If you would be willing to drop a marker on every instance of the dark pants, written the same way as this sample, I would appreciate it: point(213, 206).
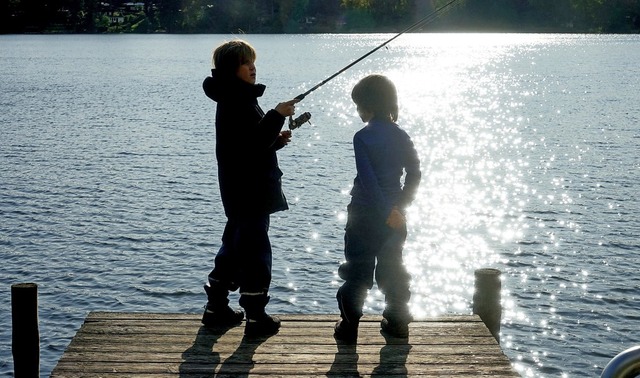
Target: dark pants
point(367, 239)
point(244, 260)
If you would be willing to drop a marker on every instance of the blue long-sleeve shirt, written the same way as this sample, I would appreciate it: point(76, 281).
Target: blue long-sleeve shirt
point(384, 152)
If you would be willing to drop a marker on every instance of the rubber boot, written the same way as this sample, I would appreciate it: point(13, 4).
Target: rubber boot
point(259, 323)
point(217, 312)
point(350, 301)
point(346, 331)
point(396, 319)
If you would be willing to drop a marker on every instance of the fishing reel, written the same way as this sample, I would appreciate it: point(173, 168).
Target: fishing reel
point(299, 121)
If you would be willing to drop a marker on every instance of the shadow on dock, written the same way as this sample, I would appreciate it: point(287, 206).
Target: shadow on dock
point(176, 345)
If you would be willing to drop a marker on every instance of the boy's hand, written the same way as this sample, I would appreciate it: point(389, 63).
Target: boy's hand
point(287, 108)
point(396, 219)
point(284, 138)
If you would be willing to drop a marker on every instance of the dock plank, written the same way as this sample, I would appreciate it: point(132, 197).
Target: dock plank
point(155, 345)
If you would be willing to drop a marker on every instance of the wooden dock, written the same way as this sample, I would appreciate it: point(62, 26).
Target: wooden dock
point(112, 344)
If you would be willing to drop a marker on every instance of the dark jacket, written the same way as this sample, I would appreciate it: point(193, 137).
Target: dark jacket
point(246, 145)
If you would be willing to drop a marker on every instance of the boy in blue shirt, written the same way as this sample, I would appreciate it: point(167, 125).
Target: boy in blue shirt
point(376, 227)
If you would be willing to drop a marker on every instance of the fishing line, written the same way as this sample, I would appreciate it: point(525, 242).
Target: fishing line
point(306, 116)
point(428, 18)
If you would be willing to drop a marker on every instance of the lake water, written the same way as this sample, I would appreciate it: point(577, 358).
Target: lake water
point(109, 197)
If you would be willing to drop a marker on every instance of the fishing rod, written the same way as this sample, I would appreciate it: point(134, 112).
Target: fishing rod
point(302, 119)
point(430, 17)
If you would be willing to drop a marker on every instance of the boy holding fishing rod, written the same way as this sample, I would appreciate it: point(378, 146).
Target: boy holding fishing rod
point(376, 226)
point(249, 177)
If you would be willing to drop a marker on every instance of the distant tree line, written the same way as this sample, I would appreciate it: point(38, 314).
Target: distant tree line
point(316, 16)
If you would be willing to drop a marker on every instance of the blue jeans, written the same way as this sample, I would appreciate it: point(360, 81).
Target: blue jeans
point(244, 260)
point(367, 240)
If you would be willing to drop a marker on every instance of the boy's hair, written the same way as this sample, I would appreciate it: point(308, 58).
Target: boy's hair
point(231, 55)
point(377, 94)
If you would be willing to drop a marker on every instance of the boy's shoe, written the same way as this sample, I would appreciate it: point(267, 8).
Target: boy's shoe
point(346, 331)
point(226, 317)
point(395, 328)
point(265, 325)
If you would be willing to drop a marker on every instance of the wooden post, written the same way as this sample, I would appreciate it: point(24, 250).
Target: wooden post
point(486, 299)
point(25, 336)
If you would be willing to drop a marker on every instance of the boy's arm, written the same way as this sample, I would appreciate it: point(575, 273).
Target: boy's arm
point(268, 130)
point(412, 177)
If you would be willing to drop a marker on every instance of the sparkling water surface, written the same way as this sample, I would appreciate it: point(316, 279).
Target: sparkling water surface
point(528, 142)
